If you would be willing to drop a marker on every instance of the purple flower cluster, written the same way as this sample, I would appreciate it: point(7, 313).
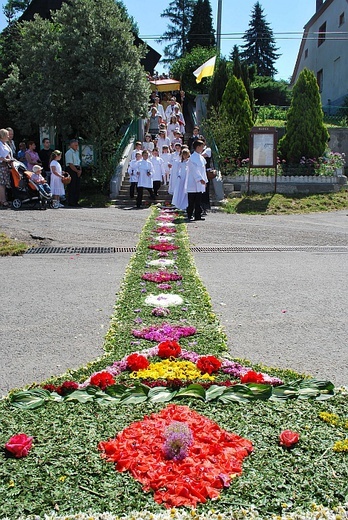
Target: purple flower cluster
point(178, 439)
point(163, 332)
point(160, 311)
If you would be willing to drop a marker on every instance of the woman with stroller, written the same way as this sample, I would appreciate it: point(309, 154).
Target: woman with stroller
point(57, 186)
point(6, 159)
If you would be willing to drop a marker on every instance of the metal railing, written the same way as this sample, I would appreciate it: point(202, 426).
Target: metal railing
point(131, 132)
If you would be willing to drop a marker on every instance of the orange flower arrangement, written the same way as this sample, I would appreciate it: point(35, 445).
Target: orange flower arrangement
point(213, 459)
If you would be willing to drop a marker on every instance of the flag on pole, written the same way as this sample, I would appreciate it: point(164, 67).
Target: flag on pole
point(205, 70)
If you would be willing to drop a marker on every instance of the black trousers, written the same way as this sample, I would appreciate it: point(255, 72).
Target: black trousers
point(194, 205)
point(140, 195)
point(132, 187)
point(156, 186)
point(73, 189)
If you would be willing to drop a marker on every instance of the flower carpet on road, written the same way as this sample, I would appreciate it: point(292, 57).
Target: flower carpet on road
point(167, 418)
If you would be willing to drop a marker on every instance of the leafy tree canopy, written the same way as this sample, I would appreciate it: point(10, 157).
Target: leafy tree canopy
point(180, 14)
point(268, 91)
point(80, 72)
point(260, 48)
point(201, 32)
point(183, 68)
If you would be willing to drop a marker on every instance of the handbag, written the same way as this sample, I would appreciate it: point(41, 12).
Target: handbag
point(66, 179)
point(211, 174)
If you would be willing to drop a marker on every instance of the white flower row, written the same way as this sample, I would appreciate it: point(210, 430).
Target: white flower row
point(316, 513)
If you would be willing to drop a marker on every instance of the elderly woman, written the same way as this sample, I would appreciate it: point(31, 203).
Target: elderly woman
point(6, 159)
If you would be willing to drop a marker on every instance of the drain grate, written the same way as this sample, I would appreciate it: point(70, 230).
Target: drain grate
point(203, 249)
point(269, 249)
point(78, 250)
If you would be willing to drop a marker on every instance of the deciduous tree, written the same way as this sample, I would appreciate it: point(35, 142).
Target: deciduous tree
point(79, 72)
point(182, 69)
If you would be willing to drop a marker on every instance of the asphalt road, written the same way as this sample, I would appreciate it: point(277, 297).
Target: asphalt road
point(280, 290)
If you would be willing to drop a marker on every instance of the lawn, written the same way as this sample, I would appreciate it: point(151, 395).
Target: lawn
point(277, 204)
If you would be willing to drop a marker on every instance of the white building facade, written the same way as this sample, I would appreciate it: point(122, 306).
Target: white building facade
point(324, 50)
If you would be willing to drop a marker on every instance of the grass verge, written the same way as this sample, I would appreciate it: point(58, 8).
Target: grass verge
point(9, 247)
point(64, 473)
point(278, 204)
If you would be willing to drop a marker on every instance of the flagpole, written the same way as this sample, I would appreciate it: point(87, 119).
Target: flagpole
point(218, 28)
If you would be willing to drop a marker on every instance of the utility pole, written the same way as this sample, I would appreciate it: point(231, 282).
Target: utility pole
point(218, 28)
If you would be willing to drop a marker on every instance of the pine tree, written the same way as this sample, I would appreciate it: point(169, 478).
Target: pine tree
point(306, 135)
point(236, 105)
point(201, 30)
point(260, 46)
point(180, 14)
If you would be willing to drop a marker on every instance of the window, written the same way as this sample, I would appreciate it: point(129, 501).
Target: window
point(322, 34)
point(306, 53)
point(320, 79)
point(341, 20)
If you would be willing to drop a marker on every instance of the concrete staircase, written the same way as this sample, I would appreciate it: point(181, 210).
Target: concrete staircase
point(123, 199)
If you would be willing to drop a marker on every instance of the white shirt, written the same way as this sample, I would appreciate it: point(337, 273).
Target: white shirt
point(145, 178)
point(133, 170)
point(5, 150)
point(167, 159)
point(161, 142)
point(158, 168)
point(195, 174)
point(170, 111)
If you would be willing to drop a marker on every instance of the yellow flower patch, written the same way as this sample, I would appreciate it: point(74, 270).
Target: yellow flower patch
point(171, 369)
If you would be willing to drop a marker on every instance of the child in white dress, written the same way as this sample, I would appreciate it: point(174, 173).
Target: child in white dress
point(167, 160)
point(56, 184)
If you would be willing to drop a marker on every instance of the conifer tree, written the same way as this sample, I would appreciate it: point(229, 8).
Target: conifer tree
point(236, 105)
point(241, 70)
point(201, 30)
point(260, 48)
point(218, 84)
point(179, 13)
point(306, 135)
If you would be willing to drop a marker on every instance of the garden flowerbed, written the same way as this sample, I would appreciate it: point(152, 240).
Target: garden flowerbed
point(167, 418)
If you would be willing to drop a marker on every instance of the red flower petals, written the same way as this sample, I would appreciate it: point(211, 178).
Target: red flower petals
point(252, 377)
point(137, 362)
point(213, 459)
point(102, 379)
point(167, 349)
point(208, 364)
point(288, 438)
point(163, 247)
point(19, 445)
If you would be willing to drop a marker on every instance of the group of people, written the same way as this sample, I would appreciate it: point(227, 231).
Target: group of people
point(45, 165)
point(184, 168)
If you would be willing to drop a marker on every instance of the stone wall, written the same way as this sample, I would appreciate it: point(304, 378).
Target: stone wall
point(285, 184)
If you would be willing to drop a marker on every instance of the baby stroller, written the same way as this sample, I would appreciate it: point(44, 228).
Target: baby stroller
point(24, 190)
